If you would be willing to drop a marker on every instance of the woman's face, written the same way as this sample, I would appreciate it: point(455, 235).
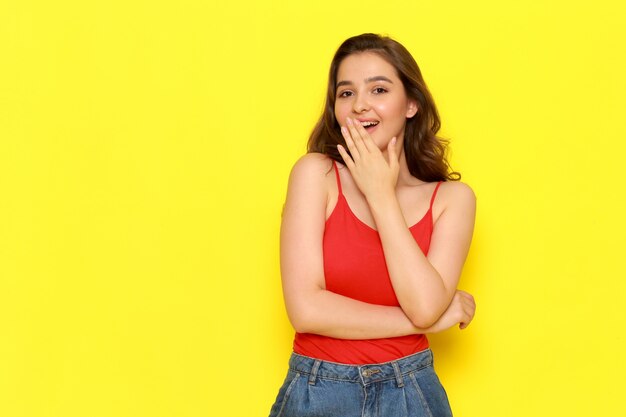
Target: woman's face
point(370, 91)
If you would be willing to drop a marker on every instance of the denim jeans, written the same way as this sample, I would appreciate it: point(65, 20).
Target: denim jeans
point(407, 387)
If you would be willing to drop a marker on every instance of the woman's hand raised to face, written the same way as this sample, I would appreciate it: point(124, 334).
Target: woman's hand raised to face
point(374, 175)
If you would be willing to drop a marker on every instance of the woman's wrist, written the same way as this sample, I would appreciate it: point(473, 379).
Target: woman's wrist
point(383, 202)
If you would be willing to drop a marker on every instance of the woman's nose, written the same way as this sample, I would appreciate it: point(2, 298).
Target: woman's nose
point(360, 104)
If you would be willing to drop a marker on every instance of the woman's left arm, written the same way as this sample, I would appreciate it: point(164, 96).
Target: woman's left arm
point(424, 285)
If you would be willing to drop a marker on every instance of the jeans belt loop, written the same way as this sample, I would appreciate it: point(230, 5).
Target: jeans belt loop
point(313, 375)
point(396, 370)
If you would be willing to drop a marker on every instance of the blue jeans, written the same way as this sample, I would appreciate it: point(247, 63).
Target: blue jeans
point(407, 387)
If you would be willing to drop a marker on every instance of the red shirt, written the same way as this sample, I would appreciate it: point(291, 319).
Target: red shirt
point(354, 266)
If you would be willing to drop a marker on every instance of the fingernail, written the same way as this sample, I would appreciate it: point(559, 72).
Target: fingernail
point(349, 121)
point(343, 129)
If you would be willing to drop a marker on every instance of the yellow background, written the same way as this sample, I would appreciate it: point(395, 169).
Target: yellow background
point(144, 152)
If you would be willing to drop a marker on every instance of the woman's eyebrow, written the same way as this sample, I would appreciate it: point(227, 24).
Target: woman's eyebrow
point(378, 78)
point(367, 80)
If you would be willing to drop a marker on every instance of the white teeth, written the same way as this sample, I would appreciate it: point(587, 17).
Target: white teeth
point(368, 124)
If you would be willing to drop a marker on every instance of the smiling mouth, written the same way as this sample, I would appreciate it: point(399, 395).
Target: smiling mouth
point(369, 124)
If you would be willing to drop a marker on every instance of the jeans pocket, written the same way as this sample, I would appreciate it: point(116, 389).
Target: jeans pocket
point(283, 393)
point(431, 398)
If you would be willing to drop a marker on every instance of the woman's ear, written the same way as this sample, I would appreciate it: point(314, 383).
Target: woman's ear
point(411, 109)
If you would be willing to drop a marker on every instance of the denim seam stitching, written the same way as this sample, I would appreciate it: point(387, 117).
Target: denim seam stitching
point(287, 393)
point(420, 394)
point(426, 365)
point(364, 400)
point(338, 379)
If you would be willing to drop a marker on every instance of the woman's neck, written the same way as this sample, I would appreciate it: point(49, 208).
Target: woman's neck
point(404, 176)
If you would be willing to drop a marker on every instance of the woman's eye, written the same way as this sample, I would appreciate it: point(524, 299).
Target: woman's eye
point(345, 93)
point(379, 90)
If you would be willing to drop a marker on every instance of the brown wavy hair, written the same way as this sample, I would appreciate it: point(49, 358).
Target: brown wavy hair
point(426, 153)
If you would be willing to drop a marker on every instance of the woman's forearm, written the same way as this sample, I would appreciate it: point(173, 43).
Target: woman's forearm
point(329, 314)
point(418, 286)
point(425, 285)
point(341, 317)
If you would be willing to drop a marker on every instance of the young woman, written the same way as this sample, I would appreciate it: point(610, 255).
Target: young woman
point(374, 235)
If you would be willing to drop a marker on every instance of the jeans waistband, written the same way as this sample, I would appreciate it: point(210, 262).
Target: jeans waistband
point(364, 374)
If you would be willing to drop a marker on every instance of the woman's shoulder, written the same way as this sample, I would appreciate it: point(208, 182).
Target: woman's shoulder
point(459, 188)
point(313, 161)
point(456, 193)
point(309, 183)
point(312, 166)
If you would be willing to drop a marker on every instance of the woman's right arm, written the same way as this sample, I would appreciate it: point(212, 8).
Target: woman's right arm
point(310, 307)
